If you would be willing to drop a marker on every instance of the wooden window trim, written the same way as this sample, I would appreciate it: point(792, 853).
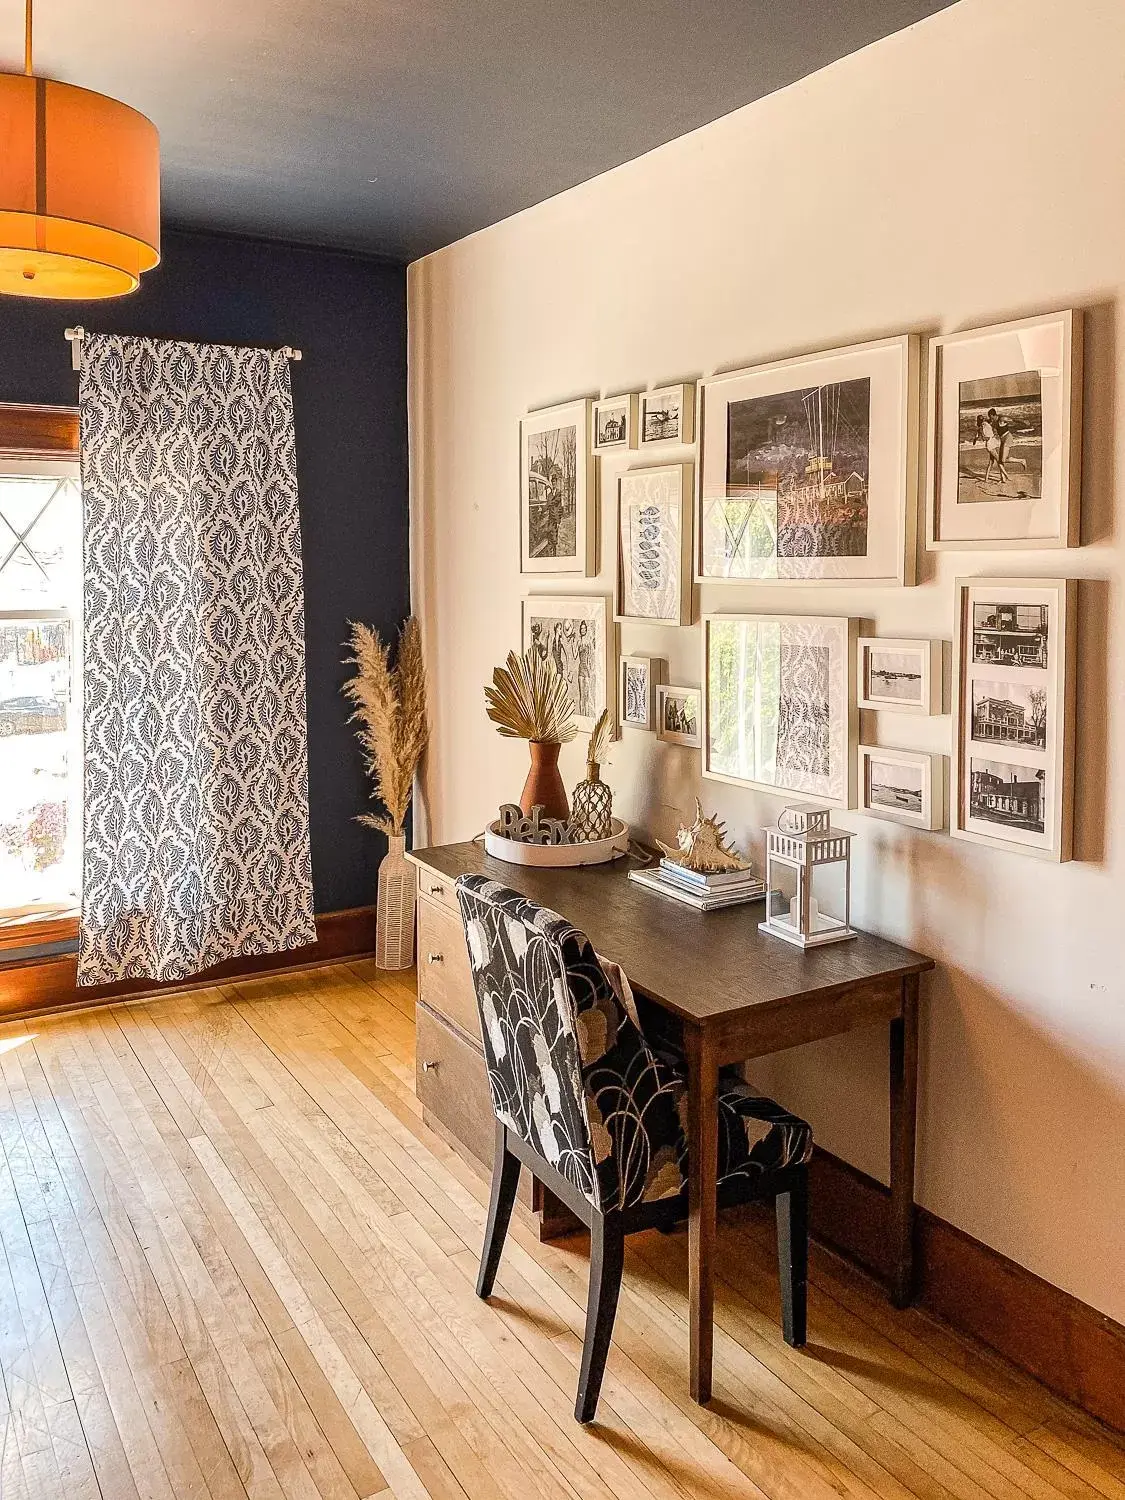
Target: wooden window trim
point(38, 432)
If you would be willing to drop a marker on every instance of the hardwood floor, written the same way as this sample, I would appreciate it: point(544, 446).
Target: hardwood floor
point(235, 1263)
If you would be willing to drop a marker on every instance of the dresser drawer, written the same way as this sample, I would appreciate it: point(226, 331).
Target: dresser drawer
point(437, 888)
point(452, 1084)
point(445, 981)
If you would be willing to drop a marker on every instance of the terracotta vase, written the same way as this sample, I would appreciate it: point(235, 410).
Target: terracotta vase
point(544, 785)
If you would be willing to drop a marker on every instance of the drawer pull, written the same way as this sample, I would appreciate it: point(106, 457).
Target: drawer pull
point(429, 1067)
point(435, 958)
point(437, 890)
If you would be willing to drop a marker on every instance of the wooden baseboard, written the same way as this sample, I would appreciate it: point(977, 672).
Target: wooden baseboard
point(50, 984)
point(1074, 1350)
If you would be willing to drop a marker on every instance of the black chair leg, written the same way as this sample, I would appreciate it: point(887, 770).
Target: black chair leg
point(607, 1258)
point(793, 1259)
point(505, 1180)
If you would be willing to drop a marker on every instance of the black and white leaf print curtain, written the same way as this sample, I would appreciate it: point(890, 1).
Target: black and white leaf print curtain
point(196, 838)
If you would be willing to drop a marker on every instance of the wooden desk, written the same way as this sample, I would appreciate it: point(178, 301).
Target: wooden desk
point(736, 994)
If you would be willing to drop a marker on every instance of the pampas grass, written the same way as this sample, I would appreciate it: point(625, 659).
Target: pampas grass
point(529, 700)
point(390, 709)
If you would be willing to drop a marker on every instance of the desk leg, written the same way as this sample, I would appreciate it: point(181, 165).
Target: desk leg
point(703, 1175)
point(904, 1117)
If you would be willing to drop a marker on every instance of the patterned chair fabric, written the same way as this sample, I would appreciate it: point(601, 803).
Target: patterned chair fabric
point(571, 1073)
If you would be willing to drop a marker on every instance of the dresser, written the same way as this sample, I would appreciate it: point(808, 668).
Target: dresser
point(452, 1084)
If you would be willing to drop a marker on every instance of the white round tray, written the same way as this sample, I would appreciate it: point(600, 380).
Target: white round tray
point(557, 856)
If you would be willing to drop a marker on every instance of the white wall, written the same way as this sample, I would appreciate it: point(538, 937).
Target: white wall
point(966, 171)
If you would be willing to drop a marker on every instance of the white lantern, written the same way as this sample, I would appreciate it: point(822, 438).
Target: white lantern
point(808, 879)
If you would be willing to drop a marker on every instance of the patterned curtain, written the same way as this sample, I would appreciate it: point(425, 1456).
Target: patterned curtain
point(196, 777)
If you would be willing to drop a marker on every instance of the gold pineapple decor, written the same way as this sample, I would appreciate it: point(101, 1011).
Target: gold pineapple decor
point(592, 801)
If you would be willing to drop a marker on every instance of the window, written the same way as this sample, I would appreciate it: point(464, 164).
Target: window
point(40, 680)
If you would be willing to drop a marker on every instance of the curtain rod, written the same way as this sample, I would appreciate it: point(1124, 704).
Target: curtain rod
point(74, 337)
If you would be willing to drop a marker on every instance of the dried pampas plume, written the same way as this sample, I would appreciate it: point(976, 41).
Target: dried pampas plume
point(601, 740)
point(390, 709)
point(529, 700)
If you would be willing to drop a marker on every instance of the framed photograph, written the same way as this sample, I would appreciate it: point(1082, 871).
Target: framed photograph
point(615, 424)
point(579, 636)
point(636, 695)
point(668, 416)
point(904, 676)
point(808, 469)
point(654, 545)
point(1012, 781)
point(904, 786)
point(558, 500)
point(679, 711)
point(1005, 435)
point(778, 704)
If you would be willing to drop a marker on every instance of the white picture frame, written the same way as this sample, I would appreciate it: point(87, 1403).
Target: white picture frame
point(672, 701)
point(779, 708)
point(786, 512)
point(558, 491)
point(1012, 773)
point(578, 634)
point(615, 424)
point(902, 786)
point(638, 678)
point(654, 515)
point(899, 676)
point(1032, 370)
point(667, 417)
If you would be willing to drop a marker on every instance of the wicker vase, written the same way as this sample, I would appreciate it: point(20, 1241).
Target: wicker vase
point(544, 785)
point(394, 922)
point(592, 804)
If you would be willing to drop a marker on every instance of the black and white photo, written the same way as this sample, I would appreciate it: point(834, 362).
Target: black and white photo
point(896, 785)
point(1000, 438)
point(557, 518)
point(574, 635)
point(902, 786)
point(1011, 634)
point(667, 415)
point(679, 715)
point(1009, 713)
point(895, 676)
point(615, 421)
point(1009, 795)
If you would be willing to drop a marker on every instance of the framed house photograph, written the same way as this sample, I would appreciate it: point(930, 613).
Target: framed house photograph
point(654, 545)
point(679, 712)
point(904, 676)
point(808, 469)
point(903, 786)
point(558, 491)
point(1012, 780)
point(579, 636)
point(640, 676)
point(615, 424)
point(1005, 435)
point(667, 416)
point(778, 704)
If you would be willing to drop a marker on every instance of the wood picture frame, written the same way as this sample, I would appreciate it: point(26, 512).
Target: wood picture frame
point(654, 539)
point(779, 709)
point(638, 680)
point(899, 676)
point(577, 632)
point(667, 417)
point(836, 502)
point(902, 786)
point(615, 424)
point(1012, 771)
point(673, 704)
point(558, 491)
point(1031, 369)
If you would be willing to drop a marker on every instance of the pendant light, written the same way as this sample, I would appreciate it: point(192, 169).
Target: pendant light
point(79, 189)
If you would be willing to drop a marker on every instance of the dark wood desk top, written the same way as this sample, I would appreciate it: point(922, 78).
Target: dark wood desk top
point(701, 966)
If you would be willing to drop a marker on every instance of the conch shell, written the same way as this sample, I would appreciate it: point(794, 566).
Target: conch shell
point(703, 846)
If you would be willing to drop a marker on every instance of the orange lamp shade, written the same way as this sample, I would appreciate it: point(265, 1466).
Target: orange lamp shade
point(79, 191)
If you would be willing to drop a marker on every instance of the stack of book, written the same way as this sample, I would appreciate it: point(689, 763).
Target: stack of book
point(704, 892)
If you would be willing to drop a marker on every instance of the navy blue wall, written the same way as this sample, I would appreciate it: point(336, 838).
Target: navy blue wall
point(348, 316)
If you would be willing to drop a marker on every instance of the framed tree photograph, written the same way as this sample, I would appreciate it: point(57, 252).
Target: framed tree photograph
point(654, 545)
point(904, 676)
point(636, 694)
point(1005, 435)
point(808, 469)
point(578, 635)
point(558, 499)
point(679, 712)
point(903, 786)
point(1012, 781)
point(778, 704)
point(615, 424)
point(667, 416)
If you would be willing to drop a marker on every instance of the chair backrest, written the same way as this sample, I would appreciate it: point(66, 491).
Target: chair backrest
point(568, 1069)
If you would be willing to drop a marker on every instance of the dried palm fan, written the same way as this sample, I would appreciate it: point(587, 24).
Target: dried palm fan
point(592, 801)
point(390, 708)
point(530, 700)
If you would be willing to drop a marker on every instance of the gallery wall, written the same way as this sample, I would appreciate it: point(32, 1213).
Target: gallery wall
point(963, 172)
point(348, 316)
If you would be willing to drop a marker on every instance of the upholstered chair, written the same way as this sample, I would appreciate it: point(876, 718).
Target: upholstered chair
point(599, 1116)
